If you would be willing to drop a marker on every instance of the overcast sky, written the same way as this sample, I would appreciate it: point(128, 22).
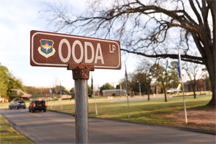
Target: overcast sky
point(17, 19)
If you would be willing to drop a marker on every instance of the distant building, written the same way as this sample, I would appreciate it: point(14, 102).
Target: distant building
point(3, 100)
point(188, 87)
point(112, 92)
point(19, 93)
point(156, 89)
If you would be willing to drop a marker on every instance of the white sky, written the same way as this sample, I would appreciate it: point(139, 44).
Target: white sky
point(17, 19)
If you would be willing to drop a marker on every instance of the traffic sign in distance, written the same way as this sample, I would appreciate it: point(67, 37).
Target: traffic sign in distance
point(58, 50)
point(47, 95)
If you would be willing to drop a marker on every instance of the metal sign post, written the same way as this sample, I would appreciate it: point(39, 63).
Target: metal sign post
point(81, 76)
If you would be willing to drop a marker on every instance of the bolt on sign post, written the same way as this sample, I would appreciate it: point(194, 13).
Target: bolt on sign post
point(81, 55)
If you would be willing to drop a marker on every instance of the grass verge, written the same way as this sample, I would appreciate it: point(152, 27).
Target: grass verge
point(140, 110)
point(9, 135)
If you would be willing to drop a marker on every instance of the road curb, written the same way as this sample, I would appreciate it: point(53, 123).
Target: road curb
point(212, 132)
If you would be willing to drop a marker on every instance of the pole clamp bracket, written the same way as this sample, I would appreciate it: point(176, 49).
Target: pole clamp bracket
point(80, 71)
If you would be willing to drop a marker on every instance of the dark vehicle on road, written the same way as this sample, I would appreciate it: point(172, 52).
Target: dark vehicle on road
point(17, 104)
point(89, 95)
point(37, 105)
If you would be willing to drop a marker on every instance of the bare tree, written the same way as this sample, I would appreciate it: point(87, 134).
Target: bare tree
point(194, 73)
point(144, 68)
point(150, 28)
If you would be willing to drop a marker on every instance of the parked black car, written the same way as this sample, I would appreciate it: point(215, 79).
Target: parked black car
point(17, 104)
point(37, 105)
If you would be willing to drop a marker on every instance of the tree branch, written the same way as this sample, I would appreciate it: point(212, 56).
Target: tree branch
point(188, 58)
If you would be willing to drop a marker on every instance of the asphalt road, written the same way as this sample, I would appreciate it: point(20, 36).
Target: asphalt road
point(52, 127)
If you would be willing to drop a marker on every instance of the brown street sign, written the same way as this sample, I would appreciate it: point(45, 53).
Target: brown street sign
point(58, 50)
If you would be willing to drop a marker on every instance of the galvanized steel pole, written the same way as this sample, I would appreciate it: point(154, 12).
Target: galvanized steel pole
point(81, 76)
point(81, 111)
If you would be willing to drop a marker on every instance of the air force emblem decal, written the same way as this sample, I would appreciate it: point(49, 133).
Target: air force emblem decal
point(46, 48)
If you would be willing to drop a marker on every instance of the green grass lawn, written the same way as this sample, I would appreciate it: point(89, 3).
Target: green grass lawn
point(4, 105)
point(140, 110)
point(8, 135)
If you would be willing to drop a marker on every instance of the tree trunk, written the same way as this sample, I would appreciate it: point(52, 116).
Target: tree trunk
point(211, 60)
point(194, 94)
point(194, 90)
point(148, 93)
point(165, 93)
